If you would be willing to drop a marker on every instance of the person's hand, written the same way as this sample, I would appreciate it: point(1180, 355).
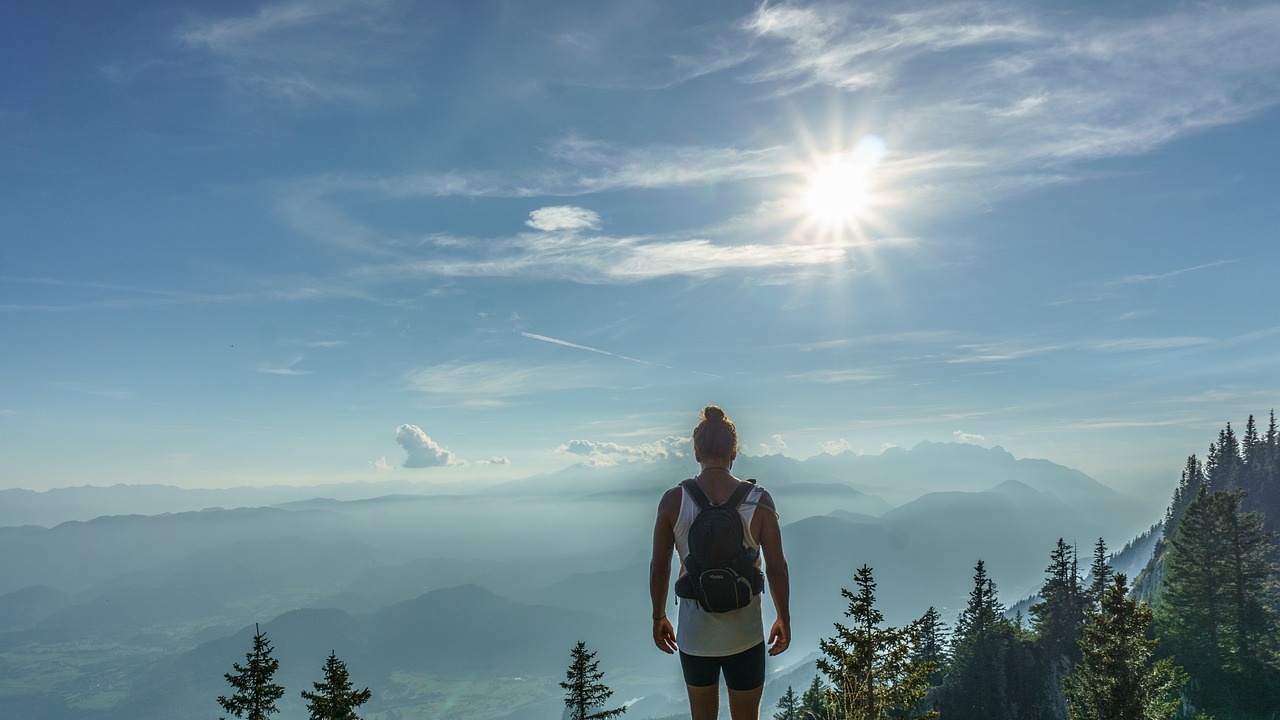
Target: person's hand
point(664, 636)
point(779, 637)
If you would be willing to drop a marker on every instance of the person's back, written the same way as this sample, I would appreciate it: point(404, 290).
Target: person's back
point(730, 643)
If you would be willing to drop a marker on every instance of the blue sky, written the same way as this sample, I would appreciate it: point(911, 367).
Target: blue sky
point(322, 240)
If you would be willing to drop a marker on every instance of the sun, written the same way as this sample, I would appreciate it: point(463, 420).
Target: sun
point(837, 191)
point(840, 186)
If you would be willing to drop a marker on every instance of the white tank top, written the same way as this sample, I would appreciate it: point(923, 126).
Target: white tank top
point(708, 634)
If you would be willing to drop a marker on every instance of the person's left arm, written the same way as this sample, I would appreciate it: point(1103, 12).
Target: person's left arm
point(769, 535)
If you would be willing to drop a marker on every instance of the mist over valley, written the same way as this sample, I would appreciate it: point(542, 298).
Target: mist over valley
point(425, 588)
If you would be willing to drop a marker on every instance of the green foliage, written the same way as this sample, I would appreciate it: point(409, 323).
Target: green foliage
point(1215, 608)
point(814, 702)
point(870, 665)
point(930, 644)
point(788, 706)
point(255, 694)
point(583, 690)
point(334, 699)
point(986, 679)
point(1058, 616)
point(1117, 677)
point(1099, 573)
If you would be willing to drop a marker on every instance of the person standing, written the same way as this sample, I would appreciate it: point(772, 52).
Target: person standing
point(733, 643)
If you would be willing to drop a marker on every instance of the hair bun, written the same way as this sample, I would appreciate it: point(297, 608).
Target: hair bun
point(713, 413)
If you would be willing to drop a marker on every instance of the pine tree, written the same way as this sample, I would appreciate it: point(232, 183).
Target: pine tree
point(1099, 572)
point(1214, 608)
point(255, 694)
point(1117, 678)
point(992, 674)
point(869, 664)
point(930, 645)
point(788, 706)
point(1060, 613)
point(583, 690)
point(334, 699)
point(813, 703)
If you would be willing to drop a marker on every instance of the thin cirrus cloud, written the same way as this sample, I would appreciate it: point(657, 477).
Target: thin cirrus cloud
point(993, 92)
point(594, 258)
point(490, 383)
point(306, 51)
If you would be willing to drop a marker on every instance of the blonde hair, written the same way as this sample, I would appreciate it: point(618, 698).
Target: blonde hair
point(716, 436)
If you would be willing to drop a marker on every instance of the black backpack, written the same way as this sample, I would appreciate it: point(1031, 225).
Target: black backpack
point(721, 571)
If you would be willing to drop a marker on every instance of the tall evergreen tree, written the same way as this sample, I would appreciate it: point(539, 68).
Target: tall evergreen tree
point(788, 706)
point(583, 690)
point(1060, 613)
point(335, 698)
point(1117, 677)
point(984, 650)
point(1215, 606)
point(1099, 574)
point(931, 645)
point(255, 693)
point(814, 703)
point(869, 664)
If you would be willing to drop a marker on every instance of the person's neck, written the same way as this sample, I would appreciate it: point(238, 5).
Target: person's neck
point(712, 467)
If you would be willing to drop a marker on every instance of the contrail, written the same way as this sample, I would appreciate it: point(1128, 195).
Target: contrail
point(588, 348)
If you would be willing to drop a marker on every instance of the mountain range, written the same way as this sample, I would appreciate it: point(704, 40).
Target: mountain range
point(437, 595)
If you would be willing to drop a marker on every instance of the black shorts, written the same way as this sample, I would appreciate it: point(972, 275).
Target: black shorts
point(744, 671)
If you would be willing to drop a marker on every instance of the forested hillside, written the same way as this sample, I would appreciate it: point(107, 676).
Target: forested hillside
point(1198, 638)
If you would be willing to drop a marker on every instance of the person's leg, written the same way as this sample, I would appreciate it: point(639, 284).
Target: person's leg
point(744, 676)
point(744, 704)
point(702, 678)
point(704, 701)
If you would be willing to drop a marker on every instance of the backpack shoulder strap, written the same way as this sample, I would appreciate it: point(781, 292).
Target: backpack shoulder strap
point(691, 486)
point(739, 494)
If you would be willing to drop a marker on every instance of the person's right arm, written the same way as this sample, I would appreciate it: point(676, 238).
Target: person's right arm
point(664, 544)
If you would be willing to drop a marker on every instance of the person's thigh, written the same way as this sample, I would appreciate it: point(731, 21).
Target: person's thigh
point(744, 671)
point(700, 671)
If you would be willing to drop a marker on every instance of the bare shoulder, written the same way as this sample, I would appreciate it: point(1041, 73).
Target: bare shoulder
point(670, 502)
point(766, 500)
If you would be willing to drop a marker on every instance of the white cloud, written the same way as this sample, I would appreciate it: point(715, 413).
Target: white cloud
point(992, 98)
point(563, 217)
point(965, 437)
point(775, 447)
point(611, 453)
point(421, 450)
point(382, 464)
point(836, 447)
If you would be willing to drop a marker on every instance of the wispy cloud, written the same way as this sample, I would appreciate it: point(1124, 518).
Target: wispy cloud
point(1145, 278)
point(1007, 350)
point(1002, 98)
point(596, 258)
point(288, 367)
point(496, 382)
point(1106, 289)
point(307, 51)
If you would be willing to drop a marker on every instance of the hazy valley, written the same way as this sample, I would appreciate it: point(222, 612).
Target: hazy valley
point(466, 601)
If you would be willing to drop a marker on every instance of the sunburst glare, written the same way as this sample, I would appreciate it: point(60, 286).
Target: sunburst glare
point(841, 188)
